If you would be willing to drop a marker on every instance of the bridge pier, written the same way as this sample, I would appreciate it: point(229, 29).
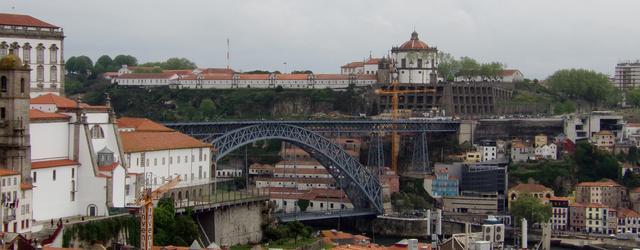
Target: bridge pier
point(232, 225)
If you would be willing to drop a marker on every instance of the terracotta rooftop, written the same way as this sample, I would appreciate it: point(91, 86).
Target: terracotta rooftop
point(108, 168)
point(141, 125)
point(414, 43)
point(53, 163)
point(7, 172)
point(155, 141)
point(147, 76)
point(628, 213)
point(59, 101)
point(24, 20)
point(530, 188)
point(26, 186)
point(509, 72)
point(607, 183)
point(37, 115)
point(353, 65)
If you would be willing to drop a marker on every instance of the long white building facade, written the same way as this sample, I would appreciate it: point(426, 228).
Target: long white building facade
point(38, 44)
point(203, 80)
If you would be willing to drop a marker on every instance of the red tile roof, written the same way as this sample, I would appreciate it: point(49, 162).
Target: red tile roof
point(59, 101)
point(37, 115)
point(414, 43)
point(292, 76)
point(254, 76)
point(7, 172)
point(155, 141)
point(141, 125)
point(147, 76)
point(53, 163)
point(372, 61)
point(109, 168)
point(208, 77)
point(628, 213)
point(26, 186)
point(353, 65)
point(509, 72)
point(23, 20)
point(607, 183)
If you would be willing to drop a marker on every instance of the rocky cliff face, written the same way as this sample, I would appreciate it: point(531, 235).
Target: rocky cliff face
point(299, 105)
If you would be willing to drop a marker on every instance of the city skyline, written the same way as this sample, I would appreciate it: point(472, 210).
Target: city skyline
point(321, 36)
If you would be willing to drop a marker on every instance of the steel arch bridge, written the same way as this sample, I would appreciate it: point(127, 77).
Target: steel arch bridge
point(362, 186)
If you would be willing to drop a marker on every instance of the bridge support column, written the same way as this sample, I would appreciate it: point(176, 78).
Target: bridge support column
point(375, 159)
point(420, 159)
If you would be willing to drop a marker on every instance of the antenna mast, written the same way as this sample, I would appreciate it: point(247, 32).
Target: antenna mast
point(227, 53)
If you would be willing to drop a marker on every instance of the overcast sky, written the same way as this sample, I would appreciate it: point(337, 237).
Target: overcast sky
point(535, 36)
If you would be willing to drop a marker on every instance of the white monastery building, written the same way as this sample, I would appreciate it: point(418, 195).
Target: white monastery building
point(38, 44)
point(78, 167)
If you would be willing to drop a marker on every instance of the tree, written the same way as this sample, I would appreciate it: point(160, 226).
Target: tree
point(302, 72)
point(632, 156)
point(80, 65)
point(128, 60)
point(105, 64)
point(296, 229)
point(633, 97)
point(186, 230)
point(172, 230)
point(581, 84)
point(469, 68)
point(491, 71)
point(178, 63)
point(448, 66)
point(593, 164)
point(530, 208)
point(303, 204)
point(208, 108)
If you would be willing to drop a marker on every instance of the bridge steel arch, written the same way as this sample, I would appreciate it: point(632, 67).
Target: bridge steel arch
point(361, 186)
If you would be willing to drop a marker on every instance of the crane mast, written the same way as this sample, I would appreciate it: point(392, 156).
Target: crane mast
point(146, 211)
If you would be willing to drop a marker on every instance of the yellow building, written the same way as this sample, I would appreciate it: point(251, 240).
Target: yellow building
point(473, 156)
point(540, 140)
point(535, 190)
point(604, 140)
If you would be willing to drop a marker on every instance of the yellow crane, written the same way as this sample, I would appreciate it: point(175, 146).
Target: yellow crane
point(394, 92)
point(146, 212)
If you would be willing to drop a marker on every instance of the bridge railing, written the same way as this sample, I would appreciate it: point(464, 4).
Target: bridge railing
point(218, 196)
point(332, 213)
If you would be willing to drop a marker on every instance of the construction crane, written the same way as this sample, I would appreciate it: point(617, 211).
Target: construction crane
point(393, 91)
point(146, 212)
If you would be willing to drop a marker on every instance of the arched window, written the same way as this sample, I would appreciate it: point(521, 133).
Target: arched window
point(96, 132)
point(53, 74)
point(3, 84)
point(22, 85)
point(40, 54)
point(26, 53)
point(40, 73)
point(53, 54)
point(92, 210)
point(15, 49)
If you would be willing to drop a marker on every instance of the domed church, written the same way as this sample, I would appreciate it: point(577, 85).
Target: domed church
point(415, 61)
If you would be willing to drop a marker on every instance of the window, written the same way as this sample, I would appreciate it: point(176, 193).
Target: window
point(4, 84)
point(22, 85)
point(54, 175)
point(73, 172)
point(40, 54)
point(53, 54)
point(419, 63)
point(96, 132)
point(155, 161)
point(26, 53)
point(403, 63)
point(3, 113)
point(73, 190)
point(40, 73)
point(3, 49)
point(35, 177)
point(53, 74)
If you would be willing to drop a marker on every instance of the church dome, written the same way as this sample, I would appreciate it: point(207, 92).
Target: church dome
point(10, 62)
point(414, 43)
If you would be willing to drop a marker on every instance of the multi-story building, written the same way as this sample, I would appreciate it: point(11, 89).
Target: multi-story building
point(585, 126)
point(634, 198)
point(536, 190)
point(627, 75)
point(485, 178)
point(540, 140)
point(473, 156)
point(560, 213)
point(79, 168)
point(368, 67)
point(471, 202)
point(158, 154)
point(596, 218)
point(628, 221)
point(489, 150)
point(38, 44)
point(604, 140)
point(548, 151)
point(444, 184)
point(15, 145)
point(608, 193)
point(520, 152)
point(415, 61)
point(232, 80)
point(577, 219)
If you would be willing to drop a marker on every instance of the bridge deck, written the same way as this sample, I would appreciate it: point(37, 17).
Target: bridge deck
point(327, 214)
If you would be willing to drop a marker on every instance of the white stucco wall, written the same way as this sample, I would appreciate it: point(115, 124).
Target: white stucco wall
point(49, 140)
point(53, 198)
